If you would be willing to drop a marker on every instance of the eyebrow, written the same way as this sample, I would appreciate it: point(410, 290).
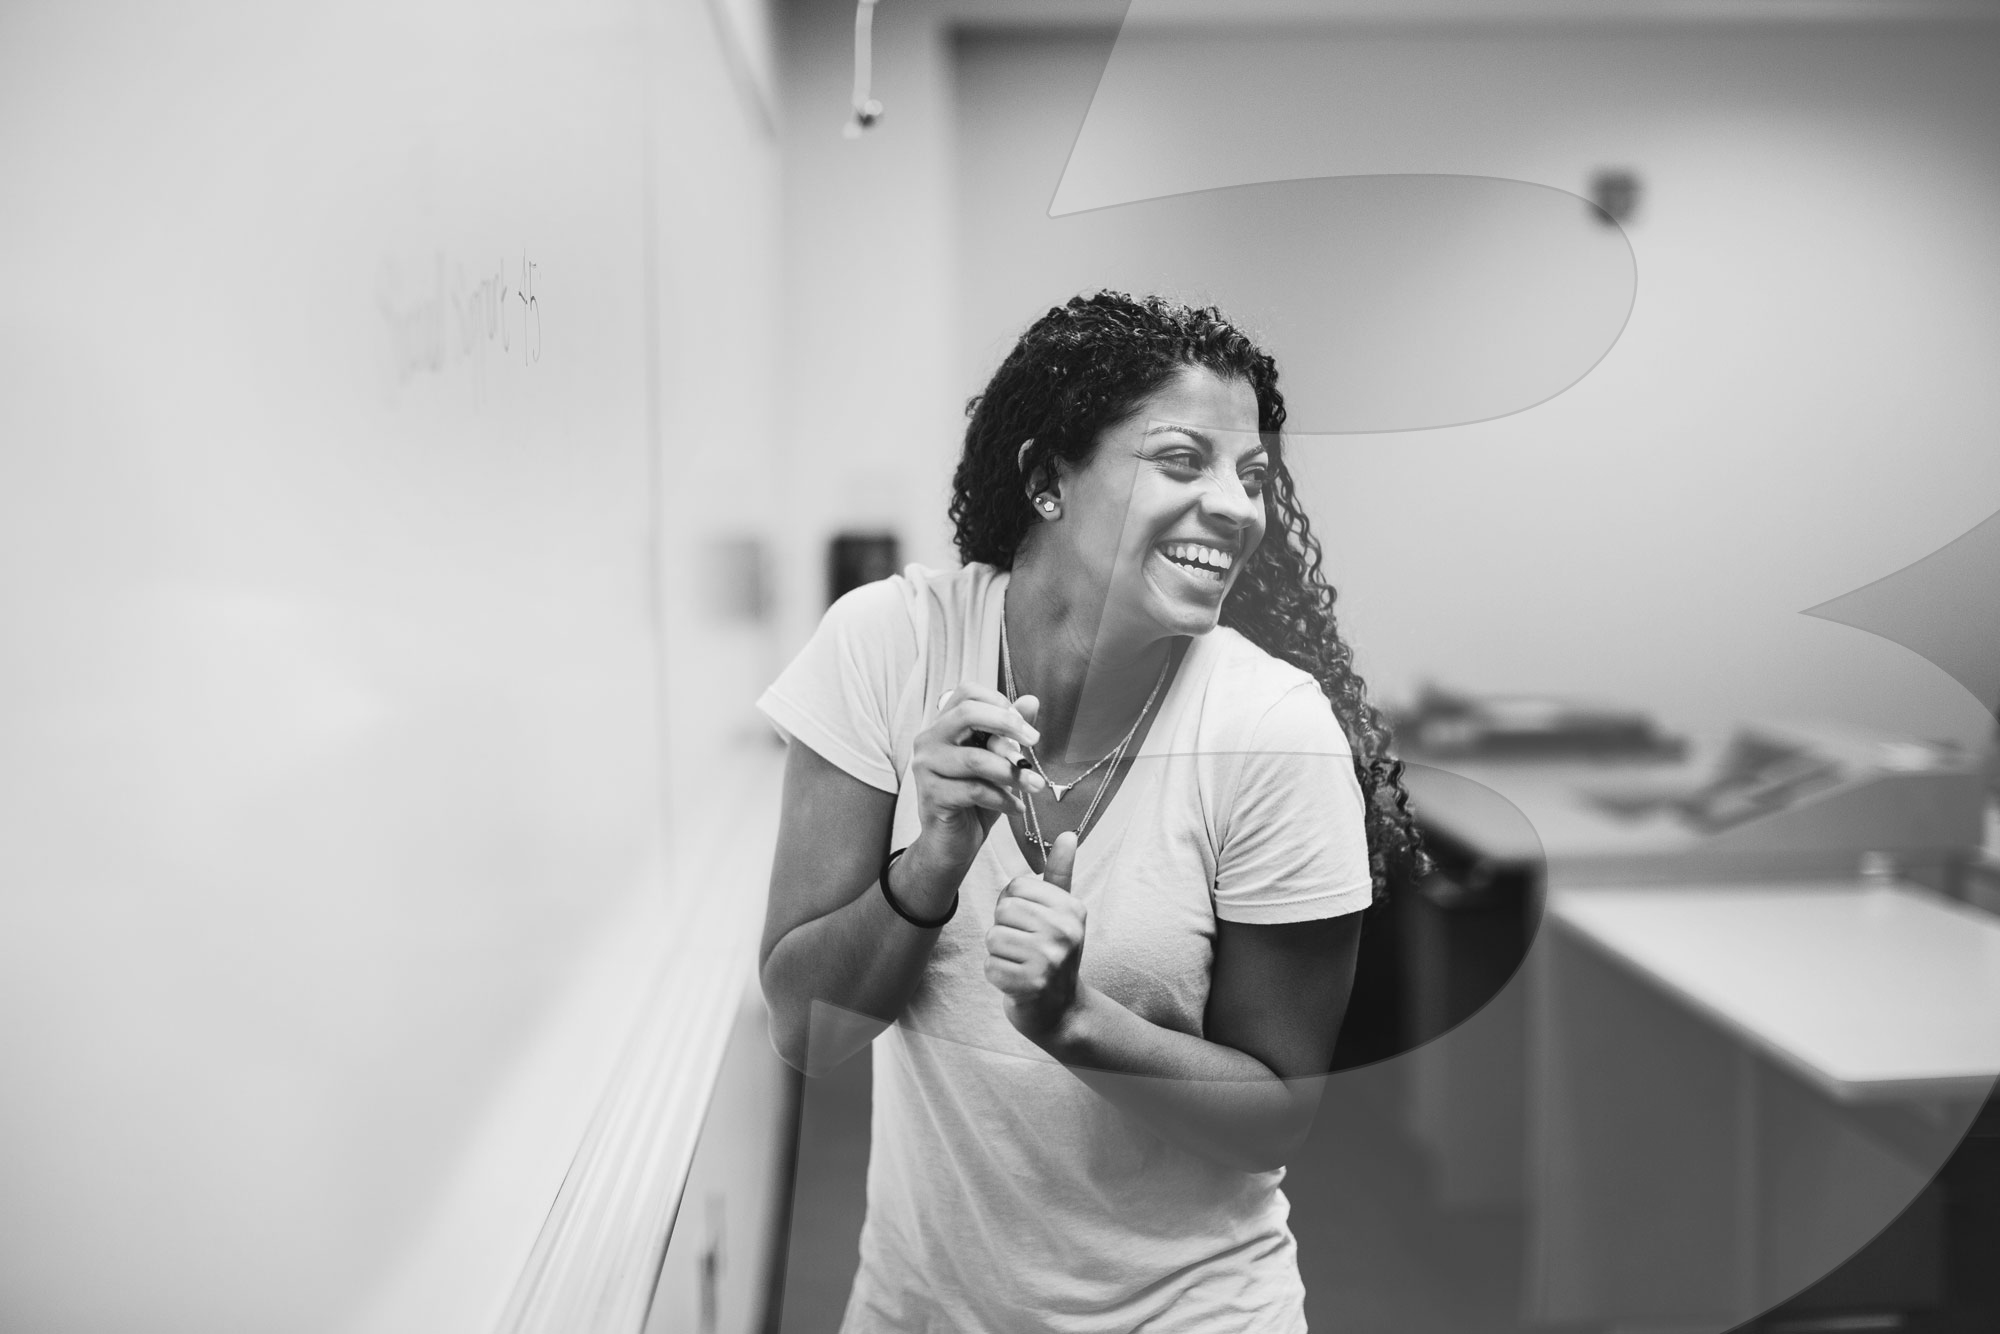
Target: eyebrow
point(1165, 428)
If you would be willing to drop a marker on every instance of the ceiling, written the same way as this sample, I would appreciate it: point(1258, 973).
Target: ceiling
point(1176, 14)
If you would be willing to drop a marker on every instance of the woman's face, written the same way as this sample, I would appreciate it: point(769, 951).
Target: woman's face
point(1169, 506)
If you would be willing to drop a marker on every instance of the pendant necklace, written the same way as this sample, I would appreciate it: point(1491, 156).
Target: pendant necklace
point(1035, 824)
point(1112, 757)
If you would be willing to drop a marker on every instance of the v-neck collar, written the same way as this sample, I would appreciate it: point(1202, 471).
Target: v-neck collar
point(1115, 813)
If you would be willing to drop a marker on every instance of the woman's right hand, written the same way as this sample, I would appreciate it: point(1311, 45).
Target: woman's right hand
point(963, 786)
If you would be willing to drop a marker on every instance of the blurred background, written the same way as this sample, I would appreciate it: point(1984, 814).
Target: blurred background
point(427, 427)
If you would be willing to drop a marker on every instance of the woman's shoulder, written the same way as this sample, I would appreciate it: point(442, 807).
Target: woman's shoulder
point(1244, 673)
point(907, 599)
point(950, 590)
point(1247, 689)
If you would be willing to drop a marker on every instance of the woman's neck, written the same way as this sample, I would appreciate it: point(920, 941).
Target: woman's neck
point(1091, 683)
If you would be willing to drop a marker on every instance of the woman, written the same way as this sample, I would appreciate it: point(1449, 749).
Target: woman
point(1116, 967)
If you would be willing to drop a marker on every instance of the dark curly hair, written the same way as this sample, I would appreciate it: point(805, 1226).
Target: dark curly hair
point(1087, 365)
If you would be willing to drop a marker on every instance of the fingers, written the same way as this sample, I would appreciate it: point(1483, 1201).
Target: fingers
point(1012, 946)
point(1038, 937)
point(985, 767)
point(1060, 915)
point(1033, 949)
point(971, 690)
point(1012, 979)
point(972, 741)
point(1030, 945)
point(958, 778)
point(965, 792)
point(1060, 864)
point(968, 756)
point(1032, 959)
point(965, 709)
point(1036, 890)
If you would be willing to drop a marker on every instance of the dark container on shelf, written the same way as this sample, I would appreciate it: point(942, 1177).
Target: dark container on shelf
point(854, 559)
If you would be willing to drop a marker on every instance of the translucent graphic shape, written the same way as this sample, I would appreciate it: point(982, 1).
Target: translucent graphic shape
point(834, 1034)
point(1676, 1175)
point(1738, 1086)
point(1945, 607)
point(1434, 955)
point(1463, 932)
point(1398, 292)
point(1392, 303)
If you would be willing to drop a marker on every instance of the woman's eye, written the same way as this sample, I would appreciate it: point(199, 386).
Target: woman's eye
point(1182, 461)
point(1254, 479)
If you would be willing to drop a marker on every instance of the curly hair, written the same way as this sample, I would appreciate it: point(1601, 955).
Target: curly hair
point(1088, 365)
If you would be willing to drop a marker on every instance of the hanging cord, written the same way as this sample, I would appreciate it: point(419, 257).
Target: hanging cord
point(866, 109)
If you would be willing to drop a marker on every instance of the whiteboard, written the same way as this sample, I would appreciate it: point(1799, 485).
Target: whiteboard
point(331, 565)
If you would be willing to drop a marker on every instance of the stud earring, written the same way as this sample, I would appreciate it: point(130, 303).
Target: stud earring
point(1048, 506)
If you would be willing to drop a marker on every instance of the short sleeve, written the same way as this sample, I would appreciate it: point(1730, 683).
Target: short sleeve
point(839, 694)
point(1294, 847)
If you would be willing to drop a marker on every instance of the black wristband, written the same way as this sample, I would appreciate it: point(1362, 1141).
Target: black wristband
point(901, 911)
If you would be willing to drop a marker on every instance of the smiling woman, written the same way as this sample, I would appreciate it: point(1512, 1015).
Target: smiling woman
point(1173, 495)
point(1128, 719)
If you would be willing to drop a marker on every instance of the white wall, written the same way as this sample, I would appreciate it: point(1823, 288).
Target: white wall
point(352, 659)
point(1798, 406)
point(720, 304)
point(871, 401)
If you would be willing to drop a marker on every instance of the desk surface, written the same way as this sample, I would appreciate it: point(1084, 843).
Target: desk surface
point(1524, 810)
point(1542, 813)
point(1868, 993)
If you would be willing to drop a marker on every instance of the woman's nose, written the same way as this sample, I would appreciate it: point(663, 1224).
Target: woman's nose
point(1227, 502)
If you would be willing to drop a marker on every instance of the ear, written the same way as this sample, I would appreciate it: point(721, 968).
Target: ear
point(1037, 481)
point(1046, 478)
point(1044, 500)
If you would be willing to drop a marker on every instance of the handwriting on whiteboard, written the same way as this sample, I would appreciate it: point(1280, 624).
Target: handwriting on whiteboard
point(446, 313)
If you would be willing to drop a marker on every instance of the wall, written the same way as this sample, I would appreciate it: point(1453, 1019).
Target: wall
point(717, 219)
point(1797, 406)
point(379, 377)
point(869, 409)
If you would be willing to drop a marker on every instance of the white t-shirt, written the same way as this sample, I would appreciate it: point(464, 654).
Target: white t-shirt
point(1003, 1193)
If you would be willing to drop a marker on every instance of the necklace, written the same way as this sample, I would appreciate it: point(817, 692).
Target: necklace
point(1114, 756)
point(1061, 790)
point(1035, 823)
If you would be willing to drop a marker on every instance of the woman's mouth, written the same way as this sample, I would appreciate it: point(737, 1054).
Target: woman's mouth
point(1200, 561)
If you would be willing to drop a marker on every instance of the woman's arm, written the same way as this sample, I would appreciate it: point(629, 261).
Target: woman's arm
point(829, 932)
point(1244, 1095)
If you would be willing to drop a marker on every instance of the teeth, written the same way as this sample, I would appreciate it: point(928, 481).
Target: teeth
point(1194, 553)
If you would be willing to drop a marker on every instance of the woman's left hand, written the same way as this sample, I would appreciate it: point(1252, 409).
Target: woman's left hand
point(1036, 944)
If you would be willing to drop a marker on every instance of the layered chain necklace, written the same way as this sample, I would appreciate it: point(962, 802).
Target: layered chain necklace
point(1112, 757)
